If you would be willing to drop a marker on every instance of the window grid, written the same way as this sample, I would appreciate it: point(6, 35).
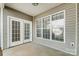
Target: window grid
point(38, 28)
point(46, 27)
point(45, 30)
point(27, 31)
point(58, 26)
point(15, 31)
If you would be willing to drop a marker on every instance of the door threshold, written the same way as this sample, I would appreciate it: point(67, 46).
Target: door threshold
point(19, 45)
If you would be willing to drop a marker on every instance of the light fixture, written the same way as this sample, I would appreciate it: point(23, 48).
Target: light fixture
point(35, 4)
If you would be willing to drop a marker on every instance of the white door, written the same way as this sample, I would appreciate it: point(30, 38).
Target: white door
point(19, 31)
point(15, 32)
point(27, 31)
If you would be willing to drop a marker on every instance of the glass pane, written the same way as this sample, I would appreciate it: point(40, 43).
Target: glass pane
point(46, 33)
point(54, 17)
point(58, 30)
point(58, 16)
point(15, 31)
point(27, 31)
point(38, 27)
point(38, 32)
point(62, 15)
point(38, 23)
point(46, 28)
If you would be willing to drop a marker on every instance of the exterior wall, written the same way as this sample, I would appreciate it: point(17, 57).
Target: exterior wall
point(0, 27)
point(11, 12)
point(78, 29)
point(70, 31)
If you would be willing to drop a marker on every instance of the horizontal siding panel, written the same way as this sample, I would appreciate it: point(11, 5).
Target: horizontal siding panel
point(70, 25)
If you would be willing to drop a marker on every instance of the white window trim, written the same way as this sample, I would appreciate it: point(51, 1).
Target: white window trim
point(64, 25)
point(50, 27)
point(36, 29)
point(76, 27)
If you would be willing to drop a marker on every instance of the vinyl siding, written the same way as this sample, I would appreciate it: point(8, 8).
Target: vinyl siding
point(77, 29)
point(70, 31)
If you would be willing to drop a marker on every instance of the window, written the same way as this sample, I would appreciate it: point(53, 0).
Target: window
point(38, 28)
point(51, 27)
point(58, 23)
point(58, 16)
point(46, 27)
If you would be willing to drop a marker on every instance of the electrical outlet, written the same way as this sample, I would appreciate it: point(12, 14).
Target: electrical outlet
point(72, 43)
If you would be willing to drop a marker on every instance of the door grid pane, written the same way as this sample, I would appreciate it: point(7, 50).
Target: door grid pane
point(15, 31)
point(27, 31)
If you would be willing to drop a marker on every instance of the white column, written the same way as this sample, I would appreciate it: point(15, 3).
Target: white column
point(1, 6)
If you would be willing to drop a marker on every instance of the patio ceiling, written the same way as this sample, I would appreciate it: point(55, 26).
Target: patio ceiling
point(29, 9)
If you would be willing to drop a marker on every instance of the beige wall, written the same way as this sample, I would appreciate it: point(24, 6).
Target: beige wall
point(0, 27)
point(70, 32)
point(78, 28)
point(14, 13)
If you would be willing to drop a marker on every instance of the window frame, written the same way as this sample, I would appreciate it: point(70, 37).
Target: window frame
point(64, 25)
point(50, 27)
point(38, 28)
point(46, 28)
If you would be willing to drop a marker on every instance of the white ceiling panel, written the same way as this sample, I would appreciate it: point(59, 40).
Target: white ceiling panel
point(29, 9)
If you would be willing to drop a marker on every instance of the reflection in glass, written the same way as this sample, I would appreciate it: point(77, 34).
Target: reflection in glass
point(38, 27)
point(58, 16)
point(46, 28)
point(58, 29)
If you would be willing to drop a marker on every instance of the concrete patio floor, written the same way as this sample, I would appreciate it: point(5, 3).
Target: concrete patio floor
point(32, 49)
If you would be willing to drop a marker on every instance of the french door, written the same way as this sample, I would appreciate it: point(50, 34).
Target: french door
point(27, 31)
point(20, 31)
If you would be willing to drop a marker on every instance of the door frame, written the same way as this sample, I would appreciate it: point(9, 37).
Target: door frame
point(8, 27)
point(24, 21)
point(10, 32)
